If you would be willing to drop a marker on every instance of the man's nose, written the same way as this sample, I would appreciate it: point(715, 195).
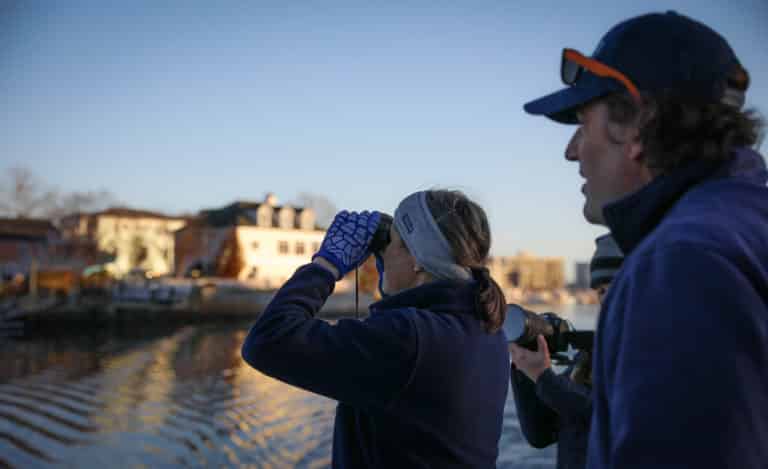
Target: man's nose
point(572, 150)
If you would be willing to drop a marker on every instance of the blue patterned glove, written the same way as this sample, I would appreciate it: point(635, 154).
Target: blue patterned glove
point(346, 244)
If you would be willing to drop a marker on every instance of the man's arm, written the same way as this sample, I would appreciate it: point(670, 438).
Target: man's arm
point(563, 395)
point(538, 422)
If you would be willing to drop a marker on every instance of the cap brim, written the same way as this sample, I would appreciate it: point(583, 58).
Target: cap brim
point(561, 106)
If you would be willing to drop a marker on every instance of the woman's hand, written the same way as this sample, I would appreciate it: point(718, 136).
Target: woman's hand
point(347, 242)
point(531, 363)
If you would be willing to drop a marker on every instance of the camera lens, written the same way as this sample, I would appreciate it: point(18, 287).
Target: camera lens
point(522, 326)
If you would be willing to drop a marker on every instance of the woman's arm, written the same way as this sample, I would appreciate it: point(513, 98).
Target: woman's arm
point(363, 363)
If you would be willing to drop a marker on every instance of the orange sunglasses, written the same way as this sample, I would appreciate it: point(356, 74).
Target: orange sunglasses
point(574, 63)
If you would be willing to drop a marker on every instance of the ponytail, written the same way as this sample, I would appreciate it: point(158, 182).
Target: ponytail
point(465, 227)
point(491, 304)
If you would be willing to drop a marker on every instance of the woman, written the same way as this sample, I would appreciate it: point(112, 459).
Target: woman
point(423, 380)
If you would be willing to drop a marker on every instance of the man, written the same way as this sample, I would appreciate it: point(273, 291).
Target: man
point(680, 372)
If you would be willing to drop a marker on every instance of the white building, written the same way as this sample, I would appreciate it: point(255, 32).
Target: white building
point(137, 239)
point(261, 243)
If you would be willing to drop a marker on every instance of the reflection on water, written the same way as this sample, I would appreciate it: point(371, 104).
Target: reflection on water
point(165, 398)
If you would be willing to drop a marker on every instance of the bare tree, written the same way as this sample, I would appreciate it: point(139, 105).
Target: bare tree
point(76, 202)
point(322, 206)
point(22, 194)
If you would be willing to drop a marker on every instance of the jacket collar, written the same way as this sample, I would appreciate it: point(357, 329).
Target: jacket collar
point(633, 217)
point(445, 296)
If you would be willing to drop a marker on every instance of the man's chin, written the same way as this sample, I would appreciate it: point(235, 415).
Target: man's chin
point(593, 214)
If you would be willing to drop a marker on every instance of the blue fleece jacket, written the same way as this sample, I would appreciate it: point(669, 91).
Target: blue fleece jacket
point(680, 372)
point(420, 383)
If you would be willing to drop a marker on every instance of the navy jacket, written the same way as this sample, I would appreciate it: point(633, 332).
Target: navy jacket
point(554, 410)
point(680, 372)
point(420, 383)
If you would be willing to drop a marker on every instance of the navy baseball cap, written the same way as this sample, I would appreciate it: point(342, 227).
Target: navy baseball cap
point(656, 52)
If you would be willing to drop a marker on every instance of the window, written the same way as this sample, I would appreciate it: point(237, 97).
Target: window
point(255, 245)
point(300, 248)
point(282, 247)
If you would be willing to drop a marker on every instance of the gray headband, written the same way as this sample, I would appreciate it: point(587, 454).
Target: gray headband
point(424, 239)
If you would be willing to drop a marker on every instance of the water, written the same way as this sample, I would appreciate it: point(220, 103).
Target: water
point(165, 398)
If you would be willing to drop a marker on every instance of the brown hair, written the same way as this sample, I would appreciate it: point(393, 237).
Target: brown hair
point(676, 130)
point(465, 226)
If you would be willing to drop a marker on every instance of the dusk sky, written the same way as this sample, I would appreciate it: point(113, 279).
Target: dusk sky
point(180, 106)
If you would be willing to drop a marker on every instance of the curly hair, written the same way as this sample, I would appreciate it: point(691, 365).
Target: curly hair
point(676, 129)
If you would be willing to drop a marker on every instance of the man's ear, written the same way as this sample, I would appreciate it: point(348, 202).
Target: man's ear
point(634, 146)
point(635, 152)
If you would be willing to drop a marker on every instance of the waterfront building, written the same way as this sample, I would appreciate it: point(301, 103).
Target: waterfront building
point(24, 241)
point(136, 239)
point(582, 275)
point(528, 272)
point(261, 243)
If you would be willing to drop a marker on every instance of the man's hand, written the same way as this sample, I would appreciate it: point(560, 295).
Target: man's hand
point(532, 364)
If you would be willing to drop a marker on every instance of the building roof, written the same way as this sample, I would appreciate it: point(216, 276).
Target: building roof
point(125, 212)
point(239, 213)
point(33, 229)
point(236, 213)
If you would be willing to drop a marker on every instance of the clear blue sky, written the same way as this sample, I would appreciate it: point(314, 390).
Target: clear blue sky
point(191, 105)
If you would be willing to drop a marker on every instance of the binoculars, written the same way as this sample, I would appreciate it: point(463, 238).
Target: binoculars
point(381, 237)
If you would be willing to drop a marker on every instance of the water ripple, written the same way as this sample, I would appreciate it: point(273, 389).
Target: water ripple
point(169, 399)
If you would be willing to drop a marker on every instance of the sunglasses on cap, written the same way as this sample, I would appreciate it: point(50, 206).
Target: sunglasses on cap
point(575, 63)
